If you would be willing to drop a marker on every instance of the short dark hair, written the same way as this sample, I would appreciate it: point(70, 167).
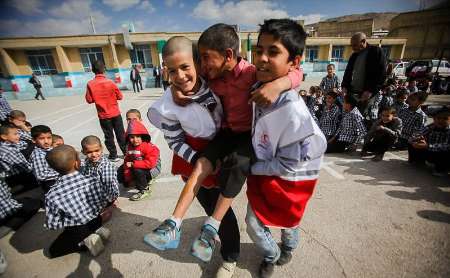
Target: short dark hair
point(134, 111)
point(219, 37)
point(56, 137)
point(401, 92)
point(421, 96)
point(38, 130)
point(62, 158)
point(90, 140)
point(98, 67)
point(14, 114)
point(4, 129)
point(290, 33)
point(348, 98)
point(331, 65)
point(332, 94)
point(444, 111)
point(390, 109)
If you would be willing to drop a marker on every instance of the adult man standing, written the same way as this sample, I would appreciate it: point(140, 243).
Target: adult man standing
point(135, 78)
point(165, 76)
point(366, 68)
point(157, 75)
point(34, 80)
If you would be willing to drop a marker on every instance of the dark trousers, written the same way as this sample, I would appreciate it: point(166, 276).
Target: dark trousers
point(109, 127)
point(228, 230)
point(235, 150)
point(45, 185)
point(28, 150)
point(141, 177)
point(439, 159)
point(337, 147)
point(68, 241)
point(402, 144)
point(379, 143)
point(21, 182)
point(136, 85)
point(165, 84)
point(140, 83)
point(157, 82)
point(29, 208)
point(39, 93)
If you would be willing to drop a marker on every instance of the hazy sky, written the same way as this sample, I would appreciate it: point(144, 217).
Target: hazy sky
point(56, 17)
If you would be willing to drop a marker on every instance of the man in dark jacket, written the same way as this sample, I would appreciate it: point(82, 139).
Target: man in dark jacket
point(366, 68)
point(157, 75)
point(37, 85)
point(135, 78)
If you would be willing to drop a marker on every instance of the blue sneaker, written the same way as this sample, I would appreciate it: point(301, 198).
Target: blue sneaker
point(166, 236)
point(203, 246)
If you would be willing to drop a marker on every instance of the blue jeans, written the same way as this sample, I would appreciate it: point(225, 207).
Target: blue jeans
point(264, 240)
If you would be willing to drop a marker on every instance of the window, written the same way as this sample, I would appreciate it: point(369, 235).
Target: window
point(337, 53)
point(141, 54)
point(311, 53)
point(41, 61)
point(89, 55)
point(386, 50)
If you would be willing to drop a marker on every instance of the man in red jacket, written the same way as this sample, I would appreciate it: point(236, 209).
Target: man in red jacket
point(142, 162)
point(104, 93)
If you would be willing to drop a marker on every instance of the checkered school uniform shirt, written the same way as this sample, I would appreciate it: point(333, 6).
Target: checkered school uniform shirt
point(351, 129)
point(399, 106)
point(413, 122)
point(103, 170)
point(41, 170)
point(5, 109)
point(7, 204)
point(75, 200)
point(25, 138)
point(438, 139)
point(12, 161)
point(328, 84)
point(329, 121)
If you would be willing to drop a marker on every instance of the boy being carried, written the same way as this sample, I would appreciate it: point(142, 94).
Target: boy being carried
point(289, 147)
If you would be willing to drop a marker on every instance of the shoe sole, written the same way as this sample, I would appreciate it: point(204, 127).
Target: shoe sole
point(198, 256)
point(95, 244)
point(172, 245)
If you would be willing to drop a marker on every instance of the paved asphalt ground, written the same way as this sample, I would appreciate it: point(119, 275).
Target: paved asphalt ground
point(365, 219)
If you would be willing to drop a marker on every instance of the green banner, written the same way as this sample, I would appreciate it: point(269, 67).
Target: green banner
point(160, 44)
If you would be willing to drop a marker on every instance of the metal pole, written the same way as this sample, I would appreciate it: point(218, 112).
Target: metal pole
point(92, 24)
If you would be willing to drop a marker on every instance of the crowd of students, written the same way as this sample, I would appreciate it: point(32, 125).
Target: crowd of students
point(221, 136)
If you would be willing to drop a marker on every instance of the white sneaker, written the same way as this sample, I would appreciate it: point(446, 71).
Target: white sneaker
point(3, 263)
point(103, 232)
point(226, 270)
point(94, 243)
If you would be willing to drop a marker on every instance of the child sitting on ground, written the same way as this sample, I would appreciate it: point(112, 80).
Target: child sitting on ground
point(96, 164)
point(57, 140)
point(289, 147)
point(74, 204)
point(44, 174)
point(400, 100)
point(309, 101)
point(413, 119)
point(133, 114)
point(13, 165)
point(331, 116)
point(142, 163)
point(350, 131)
point(331, 81)
point(383, 134)
point(433, 145)
point(18, 119)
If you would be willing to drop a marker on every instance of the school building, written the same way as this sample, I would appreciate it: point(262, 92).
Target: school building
point(63, 63)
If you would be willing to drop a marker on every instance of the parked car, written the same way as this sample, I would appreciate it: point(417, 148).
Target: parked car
point(397, 70)
point(428, 68)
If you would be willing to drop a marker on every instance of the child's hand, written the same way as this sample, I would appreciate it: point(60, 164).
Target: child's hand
point(130, 164)
point(178, 97)
point(265, 95)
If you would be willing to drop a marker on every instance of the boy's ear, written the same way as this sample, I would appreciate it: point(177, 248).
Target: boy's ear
point(296, 62)
point(229, 54)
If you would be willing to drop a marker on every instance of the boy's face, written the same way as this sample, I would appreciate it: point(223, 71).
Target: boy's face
point(347, 106)
point(12, 136)
point(413, 102)
point(441, 121)
point(330, 100)
point(44, 140)
point(135, 140)
point(133, 116)
point(93, 152)
point(19, 121)
point(57, 142)
point(182, 72)
point(330, 70)
point(386, 116)
point(272, 59)
point(213, 63)
point(402, 98)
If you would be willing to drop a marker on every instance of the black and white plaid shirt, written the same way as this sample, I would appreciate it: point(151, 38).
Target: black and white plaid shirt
point(399, 106)
point(5, 109)
point(75, 200)
point(438, 139)
point(329, 121)
point(25, 138)
point(328, 84)
point(413, 122)
point(351, 129)
point(12, 161)
point(103, 170)
point(41, 170)
point(7, 204)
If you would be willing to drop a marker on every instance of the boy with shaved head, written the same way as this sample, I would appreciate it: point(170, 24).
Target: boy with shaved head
point(74, 204)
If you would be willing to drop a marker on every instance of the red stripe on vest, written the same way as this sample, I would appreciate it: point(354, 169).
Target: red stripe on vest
point(277, 202)
point(184, 168)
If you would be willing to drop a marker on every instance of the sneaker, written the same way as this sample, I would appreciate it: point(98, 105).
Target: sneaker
point(103, 232)
point(378, 157)
point(114, 158)
point(3, 263)
point(226, 270)
point(94, 243)
point(166, 236)
point(285, 257)
point(266, 269)
point(203, 247)
point(141, 195)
